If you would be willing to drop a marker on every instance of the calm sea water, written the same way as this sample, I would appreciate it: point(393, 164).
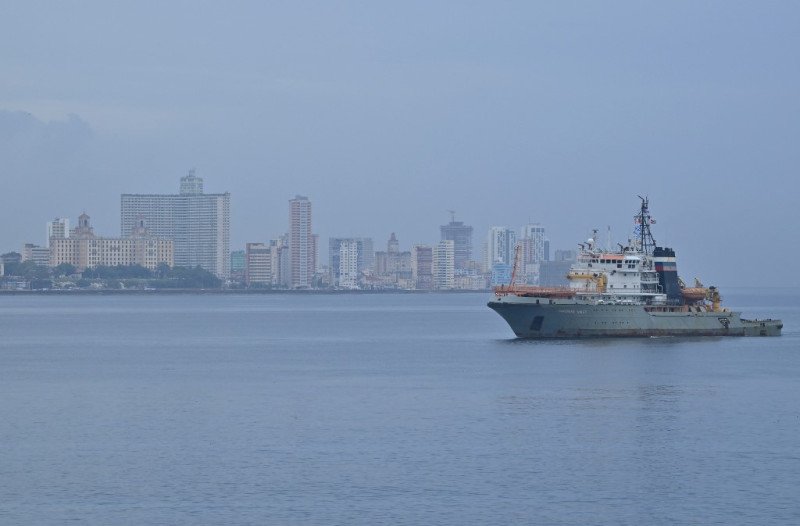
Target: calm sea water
point(385, 409)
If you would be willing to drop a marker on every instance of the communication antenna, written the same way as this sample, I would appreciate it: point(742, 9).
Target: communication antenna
point(452, 215)
point(643, 222)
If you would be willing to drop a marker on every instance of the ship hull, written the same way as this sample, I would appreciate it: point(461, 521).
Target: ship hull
point(543, 318)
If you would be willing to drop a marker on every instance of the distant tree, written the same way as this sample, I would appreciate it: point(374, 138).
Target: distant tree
point(41, 284)
point(162, 271)
point(117, 272)
point(64, 269)
point(186, 278)
point(28, 270)
point(11, 257)
point(163, 276)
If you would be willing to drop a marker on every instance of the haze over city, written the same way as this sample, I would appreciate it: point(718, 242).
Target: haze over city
point(387, 117)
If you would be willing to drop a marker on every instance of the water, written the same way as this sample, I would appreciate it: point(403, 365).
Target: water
point(385, 409)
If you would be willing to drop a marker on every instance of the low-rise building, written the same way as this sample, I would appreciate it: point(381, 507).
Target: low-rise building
point(39, 255)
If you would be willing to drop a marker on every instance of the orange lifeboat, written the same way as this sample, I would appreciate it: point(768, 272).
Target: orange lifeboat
point(694, 294)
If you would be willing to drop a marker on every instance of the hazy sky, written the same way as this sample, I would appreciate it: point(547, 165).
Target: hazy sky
point(389, 114)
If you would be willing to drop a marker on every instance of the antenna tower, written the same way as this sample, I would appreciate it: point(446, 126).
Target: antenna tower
point(643, 220)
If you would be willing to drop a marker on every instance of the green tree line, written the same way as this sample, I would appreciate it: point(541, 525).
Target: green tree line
point(162, 276)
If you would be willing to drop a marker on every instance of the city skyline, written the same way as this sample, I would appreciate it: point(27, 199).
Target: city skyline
point(184, 231)
point(530, 237)
point(192, 184)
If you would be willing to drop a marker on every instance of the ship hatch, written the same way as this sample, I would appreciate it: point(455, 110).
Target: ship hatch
point(536, 324)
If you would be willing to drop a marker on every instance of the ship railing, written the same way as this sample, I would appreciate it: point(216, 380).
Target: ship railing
point(534, 291)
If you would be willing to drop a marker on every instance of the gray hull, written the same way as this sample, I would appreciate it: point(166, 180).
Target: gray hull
point(574, 319)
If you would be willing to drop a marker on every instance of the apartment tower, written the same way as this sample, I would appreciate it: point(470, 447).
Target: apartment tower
point(302, 243)
point(196, 222)
point(461, 236)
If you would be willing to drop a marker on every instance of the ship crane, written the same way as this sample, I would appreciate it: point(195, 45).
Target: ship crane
point(515, 267)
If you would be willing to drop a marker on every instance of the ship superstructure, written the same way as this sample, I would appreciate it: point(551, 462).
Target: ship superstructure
point(633, 291)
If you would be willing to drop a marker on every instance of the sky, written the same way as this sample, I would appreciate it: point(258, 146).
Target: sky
point(389, 114)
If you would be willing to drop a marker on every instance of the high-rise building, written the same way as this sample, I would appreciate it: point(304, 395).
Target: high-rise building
point(422, 266)
point(365, 257)
point(534, 251)
point(444, 265)
point(348, 264)
point(302, 249)
point(533, 243)
point(500, 246)
point(258, 264)
point(237, 265)
point(84, 249)
point(197, 223)
point(461, 236)
point(281, 263)
point(57, 228)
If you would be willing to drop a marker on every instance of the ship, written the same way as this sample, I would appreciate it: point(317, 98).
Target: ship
point(632, 291)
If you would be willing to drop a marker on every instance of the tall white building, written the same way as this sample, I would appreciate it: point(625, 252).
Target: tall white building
point(197, 223)
point(348, 264)
point(500, 246)
point(534, 252)
point(365, 257)
point(57, 228)
point(443, 265)
point(533, 238)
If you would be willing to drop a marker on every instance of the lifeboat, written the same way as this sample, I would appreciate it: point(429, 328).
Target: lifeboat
point(694, 294)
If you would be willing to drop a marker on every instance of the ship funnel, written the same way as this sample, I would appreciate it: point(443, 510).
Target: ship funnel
point(667, 270)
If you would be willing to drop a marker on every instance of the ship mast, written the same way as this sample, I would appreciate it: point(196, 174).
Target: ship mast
point(643, 221)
